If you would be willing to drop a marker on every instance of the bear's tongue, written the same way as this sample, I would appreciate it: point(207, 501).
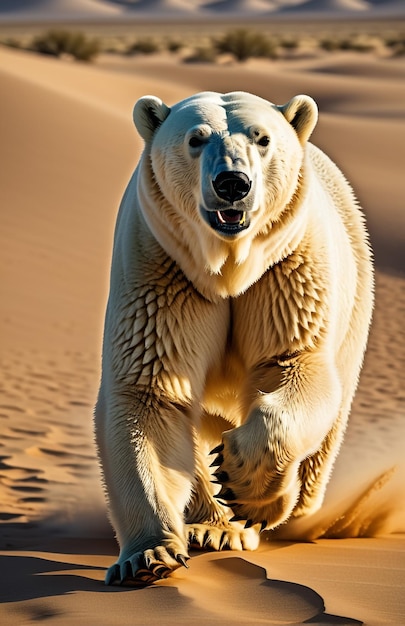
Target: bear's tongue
point(231, 217)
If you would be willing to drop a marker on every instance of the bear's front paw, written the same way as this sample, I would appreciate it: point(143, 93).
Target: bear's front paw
point(144, 568)
point(258, 481)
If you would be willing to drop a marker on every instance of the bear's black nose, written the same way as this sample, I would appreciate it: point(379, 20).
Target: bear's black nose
point(231, 186)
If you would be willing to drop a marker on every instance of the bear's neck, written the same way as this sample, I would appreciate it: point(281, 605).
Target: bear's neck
point(217, 268)
point(248, 259)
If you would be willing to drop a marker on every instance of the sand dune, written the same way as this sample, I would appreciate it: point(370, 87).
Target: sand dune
point(62, 10)
point(238, 6)
point(332, 6)
point(68, 148)
point(160, 8)
point(54, 9)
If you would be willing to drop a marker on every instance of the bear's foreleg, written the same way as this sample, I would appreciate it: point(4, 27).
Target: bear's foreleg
point(148, 467)
point(259, 461)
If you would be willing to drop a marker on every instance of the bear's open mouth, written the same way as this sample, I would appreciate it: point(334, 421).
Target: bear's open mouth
point(229, 222)
point(231, 217)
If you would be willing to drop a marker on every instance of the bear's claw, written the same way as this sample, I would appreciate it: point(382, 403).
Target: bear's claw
point(228, 537)
point(249, 522)
point(218, 461)
point(237, 518)
point(217, 449)
point(144, 568)
point(221, 476)
point(182, 559)
point(226, 494)
point(113, 574)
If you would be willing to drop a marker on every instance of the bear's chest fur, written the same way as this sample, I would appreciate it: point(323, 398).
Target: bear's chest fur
point(281, 314)
point(172, 338)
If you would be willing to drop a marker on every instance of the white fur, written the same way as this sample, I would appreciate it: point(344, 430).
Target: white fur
point(255, 340)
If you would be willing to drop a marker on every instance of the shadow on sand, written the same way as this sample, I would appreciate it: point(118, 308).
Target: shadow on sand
point(240, 587)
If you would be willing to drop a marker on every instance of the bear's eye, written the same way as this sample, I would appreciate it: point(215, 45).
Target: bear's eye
point(264, 141)
point(195, 141)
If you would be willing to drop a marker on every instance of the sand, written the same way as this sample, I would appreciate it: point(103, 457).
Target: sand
point(67, 150)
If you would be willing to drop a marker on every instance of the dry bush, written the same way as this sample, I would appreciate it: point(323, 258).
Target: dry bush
point(289, 43)
point(202, 54)
point(350, 43)
point(60, 42)
point(174, 45)
point(244, 43)
point(396, 44)
point(12, 42)
point(143, 46)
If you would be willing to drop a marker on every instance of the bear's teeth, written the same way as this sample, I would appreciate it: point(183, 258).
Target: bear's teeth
point(231, 217)
point(220, 218)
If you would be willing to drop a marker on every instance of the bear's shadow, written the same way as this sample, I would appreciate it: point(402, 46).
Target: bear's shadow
point(240, 585)
point(253, 596)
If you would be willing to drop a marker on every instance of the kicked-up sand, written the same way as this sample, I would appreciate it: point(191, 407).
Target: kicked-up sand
point(68, 148)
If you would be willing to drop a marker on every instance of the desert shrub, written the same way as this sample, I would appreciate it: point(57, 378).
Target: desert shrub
point(11, 42)
point(357, 44)
point(203, 54)
point(59, 42)
point(392, 42)
point(399, 50)
point(329, 44)
point(243, 44)
point(354, 43)
point(289, 44)
point(143, 46)
point(114, 45)
point(397, 45)
point(174, 45)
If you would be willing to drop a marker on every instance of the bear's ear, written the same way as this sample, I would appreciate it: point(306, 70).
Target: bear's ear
point(302, 113)
point(149, 113)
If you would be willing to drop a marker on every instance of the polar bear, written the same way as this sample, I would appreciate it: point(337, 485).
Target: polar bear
point(240, 302)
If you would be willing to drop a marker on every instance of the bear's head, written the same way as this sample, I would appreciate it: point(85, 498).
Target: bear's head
point(219, 171)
